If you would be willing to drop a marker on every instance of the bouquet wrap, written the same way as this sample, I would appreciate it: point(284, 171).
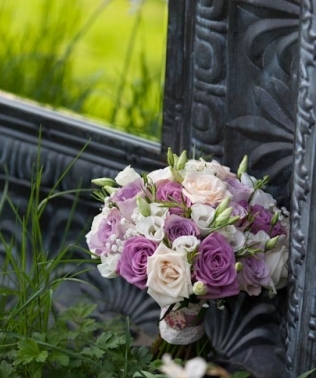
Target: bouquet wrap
point(182, 326)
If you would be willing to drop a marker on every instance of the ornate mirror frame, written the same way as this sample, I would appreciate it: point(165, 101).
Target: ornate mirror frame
point(240, 79)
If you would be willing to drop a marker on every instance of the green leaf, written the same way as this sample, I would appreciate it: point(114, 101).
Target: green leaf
point(42, 356)
point(307, 374)
point(108, 340)
point(241, 374)
point(5, 369)
point(28, 351)
point(59, 358)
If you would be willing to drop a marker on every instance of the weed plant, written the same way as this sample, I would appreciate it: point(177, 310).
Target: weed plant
point(35, 341)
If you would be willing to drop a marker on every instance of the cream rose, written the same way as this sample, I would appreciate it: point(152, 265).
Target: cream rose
point(169, 276)
point(127, 176)
point(202, 187)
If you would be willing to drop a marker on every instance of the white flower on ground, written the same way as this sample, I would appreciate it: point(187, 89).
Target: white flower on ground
point(195, 368)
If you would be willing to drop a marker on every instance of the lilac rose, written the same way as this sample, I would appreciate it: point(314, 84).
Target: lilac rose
point(215, 267)
point(125, 197)
point(172, 191)
point(262, 222)
point(109, 229)
point(254, 274)
point(132, 265)
point(176, 226)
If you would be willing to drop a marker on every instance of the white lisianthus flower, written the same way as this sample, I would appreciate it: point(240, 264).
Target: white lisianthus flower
point(235, 237)
point(194, 368)
point(95, 227)
point(262, 198)
point(259, 239)
point(151, 227)
point(169, 276)
point(202, 215)
point(108, 265)
point(276, 260)
point(156, 209)
point(127, 176)
point(247, 180)
point(213, 168)
point(259, 197)
point(185, 244)
point(160, 174)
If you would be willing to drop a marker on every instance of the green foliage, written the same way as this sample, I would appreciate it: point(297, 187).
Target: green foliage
point(34, 342)
point(73, 351)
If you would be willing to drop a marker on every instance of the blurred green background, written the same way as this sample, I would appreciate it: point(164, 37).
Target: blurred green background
point(102, 59)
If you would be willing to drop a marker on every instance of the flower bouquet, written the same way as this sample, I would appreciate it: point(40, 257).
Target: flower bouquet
point(188, 234)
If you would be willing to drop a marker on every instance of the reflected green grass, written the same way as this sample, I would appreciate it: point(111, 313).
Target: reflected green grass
point(99, 58)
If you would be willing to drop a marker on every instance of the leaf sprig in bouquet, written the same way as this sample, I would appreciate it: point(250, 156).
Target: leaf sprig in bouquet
point(191, 231)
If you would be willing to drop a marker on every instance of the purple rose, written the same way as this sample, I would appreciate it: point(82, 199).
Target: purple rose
point(239, 191)
point(99, 238)
point(254, 274)
point(215, 267)
point(172, 191)
point(176, 226)
point(132, 265)
point(125, 197)
point(262, 221)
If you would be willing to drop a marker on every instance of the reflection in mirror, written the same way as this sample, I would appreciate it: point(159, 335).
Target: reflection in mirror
point(103, 59)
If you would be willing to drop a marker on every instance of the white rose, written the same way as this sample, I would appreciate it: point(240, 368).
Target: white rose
point(235, 237)
point(169, 276)
point(126, 176)
point(202, 215)
point(108, 265)
point(185, 244)
point(151, 227)
point(276, 260)
point(202, 187)
point(160, 174)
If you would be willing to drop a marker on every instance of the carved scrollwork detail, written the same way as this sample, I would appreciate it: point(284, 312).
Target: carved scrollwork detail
point(209, 75)
point(302, 288)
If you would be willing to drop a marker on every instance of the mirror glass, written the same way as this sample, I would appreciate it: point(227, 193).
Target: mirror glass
point(102, 59)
